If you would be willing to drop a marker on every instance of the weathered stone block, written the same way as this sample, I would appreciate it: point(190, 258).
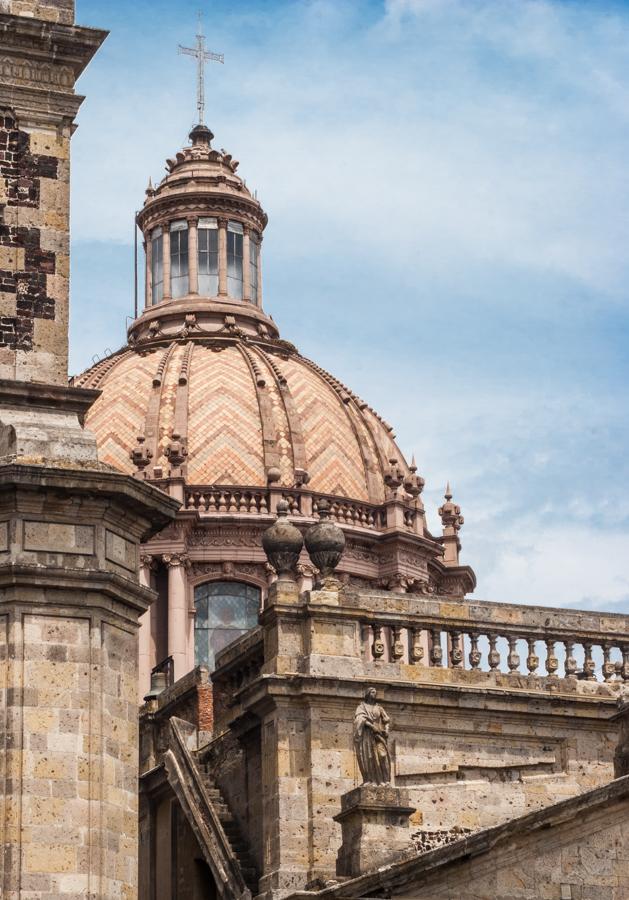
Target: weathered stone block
point(374, 819)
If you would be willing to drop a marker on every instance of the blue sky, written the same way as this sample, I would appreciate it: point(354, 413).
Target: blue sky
point(447, 183)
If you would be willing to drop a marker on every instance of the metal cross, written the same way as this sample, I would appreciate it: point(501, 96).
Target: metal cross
point(202, 56)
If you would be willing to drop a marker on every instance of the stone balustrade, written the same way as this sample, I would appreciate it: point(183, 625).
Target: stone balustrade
point(502, 638)
point(229, 500)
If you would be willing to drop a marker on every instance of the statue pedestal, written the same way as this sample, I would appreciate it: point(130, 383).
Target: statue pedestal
point(375, 827)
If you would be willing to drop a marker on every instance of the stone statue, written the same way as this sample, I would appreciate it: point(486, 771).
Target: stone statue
point(371, 735)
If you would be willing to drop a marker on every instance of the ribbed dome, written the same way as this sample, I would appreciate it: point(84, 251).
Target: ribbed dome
point(253, 412)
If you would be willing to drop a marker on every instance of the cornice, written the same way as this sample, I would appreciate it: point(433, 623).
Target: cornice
point(161, 209)
point(52, 42)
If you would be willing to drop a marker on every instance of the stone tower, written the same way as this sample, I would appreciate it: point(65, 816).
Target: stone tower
point(70, 527)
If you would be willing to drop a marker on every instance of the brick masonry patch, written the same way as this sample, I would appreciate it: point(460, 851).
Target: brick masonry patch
point(21, 172)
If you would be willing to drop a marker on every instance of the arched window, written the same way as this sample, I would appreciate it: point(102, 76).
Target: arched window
point(234, 259)
point(178, 258)
point(208, 257)
point(225, 610)
point(157, 265)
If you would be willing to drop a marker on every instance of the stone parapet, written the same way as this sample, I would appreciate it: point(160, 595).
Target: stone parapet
point(374, 820)
point(474, 739)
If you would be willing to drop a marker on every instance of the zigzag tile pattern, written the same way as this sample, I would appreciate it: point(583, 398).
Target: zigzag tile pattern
point(118, 416)
point(224, 430)
point(334, 459)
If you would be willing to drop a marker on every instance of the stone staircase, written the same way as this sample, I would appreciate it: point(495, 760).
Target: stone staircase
point(230, 827)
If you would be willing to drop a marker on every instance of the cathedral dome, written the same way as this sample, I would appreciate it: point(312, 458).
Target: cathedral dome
point(206, 389)
point(225, 408)
point(208, 402)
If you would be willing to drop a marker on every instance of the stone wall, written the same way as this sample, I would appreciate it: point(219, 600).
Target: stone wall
point(48, 10)
point(34, 251)
point(473, 748)
point(584, 859)
point(67, 752)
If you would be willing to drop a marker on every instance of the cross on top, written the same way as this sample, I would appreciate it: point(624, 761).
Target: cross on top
point(202, 56)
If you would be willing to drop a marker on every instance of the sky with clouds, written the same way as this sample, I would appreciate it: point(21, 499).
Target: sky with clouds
point(447, 183)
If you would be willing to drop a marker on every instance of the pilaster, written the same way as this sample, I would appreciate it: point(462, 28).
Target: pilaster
point(222, 257)
point(166, 260)
point(193, 255)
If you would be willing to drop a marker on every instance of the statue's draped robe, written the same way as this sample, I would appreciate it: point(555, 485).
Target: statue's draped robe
point(371, 743)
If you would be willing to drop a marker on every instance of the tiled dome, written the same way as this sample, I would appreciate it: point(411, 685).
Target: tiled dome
point(250, 412)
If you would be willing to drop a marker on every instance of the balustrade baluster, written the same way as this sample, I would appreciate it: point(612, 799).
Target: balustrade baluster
point(263, 505)
point(436, 653)
point(589, 666)
point(493, 656)
point(475, 654)
point(571, 663)
point(609, 668)
point(243, 506)
point(377, 647)
point(397, 648)
point(416, 651)
point(532, 660)
point(456, 652)
point(552, 663)
point(513, 657)
point(624, 669)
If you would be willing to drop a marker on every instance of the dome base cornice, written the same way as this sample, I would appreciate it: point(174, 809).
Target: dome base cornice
point(195, 317)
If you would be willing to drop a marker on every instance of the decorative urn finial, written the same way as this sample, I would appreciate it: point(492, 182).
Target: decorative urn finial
point(451, 520)
point(283, 543)
point(414, 483)
point(325, 543)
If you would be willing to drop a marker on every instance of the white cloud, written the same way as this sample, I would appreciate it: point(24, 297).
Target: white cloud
point(447, 187)
point(561, 566)
point(494, 132)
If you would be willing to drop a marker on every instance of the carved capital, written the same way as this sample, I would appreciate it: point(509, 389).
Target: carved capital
point(173, 560)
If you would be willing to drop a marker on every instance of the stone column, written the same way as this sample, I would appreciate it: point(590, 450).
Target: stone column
point(178, 619)
point(145, 662)
point(166, 260)
point(193, 255)
point(148, 278)
point(374, 820)
point(259, 301)
point(222, 257)
point(192, 615)
point(285, 801)
point(246, 264)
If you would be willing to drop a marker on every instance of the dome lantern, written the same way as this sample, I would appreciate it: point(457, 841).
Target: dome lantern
point(202, 230)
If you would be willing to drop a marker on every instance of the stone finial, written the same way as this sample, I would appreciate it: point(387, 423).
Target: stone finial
point(394, 475)
point(451, 520)
point(282, 544)
point(325, 543)
point(414, 483)
point(176, 450)
point(141, 455)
